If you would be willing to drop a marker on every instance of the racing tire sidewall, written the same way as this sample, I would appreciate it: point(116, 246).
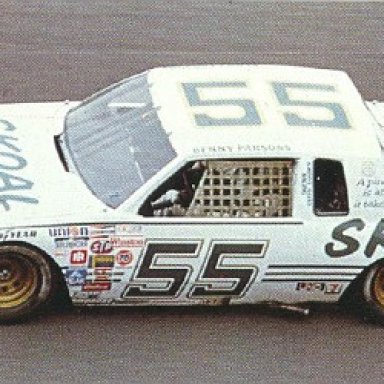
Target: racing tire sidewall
point(44, 290)
point(374, 310)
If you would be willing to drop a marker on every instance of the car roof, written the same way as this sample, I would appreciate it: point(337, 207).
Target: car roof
point(223, 111)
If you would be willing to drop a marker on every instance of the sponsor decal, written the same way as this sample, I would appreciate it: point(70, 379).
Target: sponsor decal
point(13, 235)
point(128, 228)
point(14, 188)
point(75, 277)
point(369, 193)
point(70, 232)
point(68, 244)
point(102, 274)
point(127, 242)
point(80, 295)
point(107, 230)
point(101, 261)
point(124, 258)
point(78, 256)
point(330, 288)
point(347, 244)
point(97, 286)
point(90, 297)
point(102, 230)
point(368, 168)
point(60, 253)
point(101, 246)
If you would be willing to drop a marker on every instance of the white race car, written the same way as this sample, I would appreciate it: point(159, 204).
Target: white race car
point(195, 185)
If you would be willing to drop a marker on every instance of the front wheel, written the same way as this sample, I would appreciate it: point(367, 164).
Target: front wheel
point(373, 291)
point(27, 282)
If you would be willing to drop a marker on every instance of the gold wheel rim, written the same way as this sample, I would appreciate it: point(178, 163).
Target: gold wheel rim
point(18, 280)
point(378, 286)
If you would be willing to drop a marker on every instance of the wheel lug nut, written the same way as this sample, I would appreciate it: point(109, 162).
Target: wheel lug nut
point(4, 274)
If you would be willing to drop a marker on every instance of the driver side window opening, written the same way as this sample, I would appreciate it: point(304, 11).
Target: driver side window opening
point(225, 188)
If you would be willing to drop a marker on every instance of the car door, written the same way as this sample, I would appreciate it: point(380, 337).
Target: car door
point(214, 231)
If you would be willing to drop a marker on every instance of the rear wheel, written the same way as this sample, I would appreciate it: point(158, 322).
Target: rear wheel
point(27, 282)
point(373, 292)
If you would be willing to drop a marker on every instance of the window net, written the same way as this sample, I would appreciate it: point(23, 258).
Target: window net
point(257, 188)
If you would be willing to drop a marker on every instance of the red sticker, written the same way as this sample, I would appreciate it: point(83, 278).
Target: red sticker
point(78, 257)
point(97, 286)
point(101, 246)
point(124, 258)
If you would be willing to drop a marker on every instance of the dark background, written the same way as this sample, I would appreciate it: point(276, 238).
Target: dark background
point(63, 49)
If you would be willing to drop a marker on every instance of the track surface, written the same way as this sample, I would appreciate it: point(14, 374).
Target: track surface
point(62, 49)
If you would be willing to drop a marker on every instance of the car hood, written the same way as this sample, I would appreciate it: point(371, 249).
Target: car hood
point(35, 188)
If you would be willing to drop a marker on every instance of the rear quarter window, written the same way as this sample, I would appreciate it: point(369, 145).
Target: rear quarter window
point(331, 195)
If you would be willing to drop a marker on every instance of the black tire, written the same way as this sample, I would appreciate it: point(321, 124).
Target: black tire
point(27, 282)
point(373, 292)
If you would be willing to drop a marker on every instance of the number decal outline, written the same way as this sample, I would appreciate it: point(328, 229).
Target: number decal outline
point(144, 280)
point(339, 120)
point(210, 283)
point(226, 269)
point(294, 115)
point(250, 116)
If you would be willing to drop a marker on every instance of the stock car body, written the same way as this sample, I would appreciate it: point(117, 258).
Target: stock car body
point(195, 185)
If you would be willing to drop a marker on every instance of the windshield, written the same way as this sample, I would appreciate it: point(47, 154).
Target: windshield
point(116, 141)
